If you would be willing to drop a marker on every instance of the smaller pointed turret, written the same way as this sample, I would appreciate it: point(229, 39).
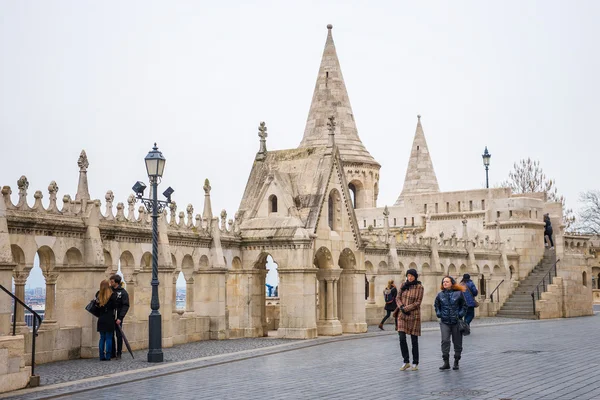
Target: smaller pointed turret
point(420, 176)
point(82, 188)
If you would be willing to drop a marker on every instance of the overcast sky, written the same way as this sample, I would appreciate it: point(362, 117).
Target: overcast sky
point(197, 77)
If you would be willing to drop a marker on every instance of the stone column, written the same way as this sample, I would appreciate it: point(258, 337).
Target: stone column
point(372, 290)
point(213, 303)
point(174, 296)
point(329, 325)
point(335, 299)
point(130, 283)
point(330, 299)
point(352, 312)
point(297, 303)
point(20, 278)
point(322, 298)
point(5, 305)
point(50, 307)
point(189, 295)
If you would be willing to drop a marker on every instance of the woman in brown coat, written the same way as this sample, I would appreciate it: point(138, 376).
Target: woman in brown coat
point(409, 317)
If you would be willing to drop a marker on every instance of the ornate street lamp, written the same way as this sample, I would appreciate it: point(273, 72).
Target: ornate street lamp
point(486, 163)
point(155, 165)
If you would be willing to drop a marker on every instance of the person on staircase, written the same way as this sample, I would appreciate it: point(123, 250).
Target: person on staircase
point(470, 293)
point(409, 317)
point(450, 306)
point(389, 295)
point(548, 230)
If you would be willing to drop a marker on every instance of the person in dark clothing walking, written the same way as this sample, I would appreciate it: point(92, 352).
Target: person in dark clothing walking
point(450, 306)
point(389, 295)
point(122, 306)
point(548, 230)
point(107, 302)
point(470, 293)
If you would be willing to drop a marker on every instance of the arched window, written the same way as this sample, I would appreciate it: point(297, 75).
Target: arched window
point(330, 212)
point(352, 189)
point(272, 204)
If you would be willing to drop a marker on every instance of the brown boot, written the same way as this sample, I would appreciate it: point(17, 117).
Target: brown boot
point(381, 327)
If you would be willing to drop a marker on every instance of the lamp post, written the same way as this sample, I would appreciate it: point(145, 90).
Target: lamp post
point(155, 165)
point(486, 163)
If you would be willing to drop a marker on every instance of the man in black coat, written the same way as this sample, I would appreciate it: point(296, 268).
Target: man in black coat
point(122, 308)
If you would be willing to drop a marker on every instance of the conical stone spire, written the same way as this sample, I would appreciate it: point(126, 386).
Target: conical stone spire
point(330, 98)
point(420, 176)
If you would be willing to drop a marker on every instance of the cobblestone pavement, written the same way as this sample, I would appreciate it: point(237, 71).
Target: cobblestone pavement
point(531, 360)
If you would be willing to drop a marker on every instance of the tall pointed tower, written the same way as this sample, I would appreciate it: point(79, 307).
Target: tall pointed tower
point(331, 98)
point(420, 176)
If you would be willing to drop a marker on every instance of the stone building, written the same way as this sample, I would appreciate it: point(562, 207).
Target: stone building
point(313, 209)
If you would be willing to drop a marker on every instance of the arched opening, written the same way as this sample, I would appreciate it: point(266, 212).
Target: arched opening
point(35, 292)
point(357, 193)
point(482, 286)
point(352, 191)
point(452, 271)
point(272, 279)
point(266, 285)
point(180, 291)
point(511, 271)
point(272, 204)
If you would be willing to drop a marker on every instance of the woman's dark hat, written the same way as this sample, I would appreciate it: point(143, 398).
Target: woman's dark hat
point(412, 272)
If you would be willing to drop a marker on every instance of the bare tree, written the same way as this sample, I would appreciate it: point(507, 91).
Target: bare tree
point(528, 177)
point(589, 215)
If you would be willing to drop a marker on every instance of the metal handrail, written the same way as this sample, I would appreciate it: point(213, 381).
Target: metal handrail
point(544, 284)
point(36, 327)
point(494, 291)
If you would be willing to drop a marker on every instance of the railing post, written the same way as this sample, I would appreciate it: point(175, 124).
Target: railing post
point(33, 335)
point(15, 318)
point(533, 299)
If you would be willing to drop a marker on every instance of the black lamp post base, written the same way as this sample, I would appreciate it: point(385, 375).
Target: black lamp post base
point(155, 353)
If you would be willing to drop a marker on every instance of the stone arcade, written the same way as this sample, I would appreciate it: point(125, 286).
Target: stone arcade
point(314, 210)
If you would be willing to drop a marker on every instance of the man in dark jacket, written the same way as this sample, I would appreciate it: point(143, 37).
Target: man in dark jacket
point(122, 308)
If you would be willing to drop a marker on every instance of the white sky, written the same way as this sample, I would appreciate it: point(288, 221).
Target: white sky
point(197, 77)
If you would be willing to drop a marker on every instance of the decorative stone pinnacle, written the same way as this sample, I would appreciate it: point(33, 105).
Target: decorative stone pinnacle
point(83, 162)
point(419, 117)
point(386, 212)
point(53, 187)
point(23, 183)
point(262, 133)
point(206, 187)
point(329, 26)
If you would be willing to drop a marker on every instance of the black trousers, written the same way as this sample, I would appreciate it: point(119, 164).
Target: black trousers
point(117, 345)
point(404, 347)
point(388, 313)
point(549, 234)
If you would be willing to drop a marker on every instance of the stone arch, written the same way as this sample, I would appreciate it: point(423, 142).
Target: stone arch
point(127, 264)
point(146, 262)
point(187, 266)
point(497, 270)
point(204, 262)
point(272, 204)
point(18, 256)
point(370, 270)
point(486, 269)
point(73, 258)
point(452, 271)
point(47, 259)
point(323, 259)
point(236, 263)
point(382, 266)
point(347, 259)
point(425, 267)
point(357, 192)
point(400, 267)
point(462, 269)
point(375, 194)
point(174, 262)
point(334, 208)
point(108, 262)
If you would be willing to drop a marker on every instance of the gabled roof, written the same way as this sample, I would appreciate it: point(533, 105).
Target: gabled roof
point(331, 98)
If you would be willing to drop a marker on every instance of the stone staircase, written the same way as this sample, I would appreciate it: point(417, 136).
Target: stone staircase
point(519, 303)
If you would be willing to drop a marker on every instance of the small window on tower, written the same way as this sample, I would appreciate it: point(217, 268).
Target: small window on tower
point(273, 204)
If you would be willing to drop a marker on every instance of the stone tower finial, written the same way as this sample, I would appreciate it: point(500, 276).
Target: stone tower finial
point(207, 213)
point(420, 175)
point(330, 96)
point(262, 133)
point(83, 192)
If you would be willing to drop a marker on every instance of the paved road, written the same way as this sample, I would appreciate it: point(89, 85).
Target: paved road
point(535, 360)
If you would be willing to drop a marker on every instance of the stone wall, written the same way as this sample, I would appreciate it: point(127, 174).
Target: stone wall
point(13, 372)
